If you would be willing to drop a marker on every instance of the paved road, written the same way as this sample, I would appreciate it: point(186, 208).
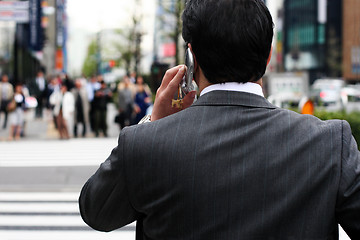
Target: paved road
point(51, 215)
point(40, 181)
point(51, 165)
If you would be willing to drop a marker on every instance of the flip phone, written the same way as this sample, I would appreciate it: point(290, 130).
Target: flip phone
point(186, 84)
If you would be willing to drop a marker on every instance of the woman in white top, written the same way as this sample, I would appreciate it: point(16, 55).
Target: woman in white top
point(17, 115)
point(64, 106)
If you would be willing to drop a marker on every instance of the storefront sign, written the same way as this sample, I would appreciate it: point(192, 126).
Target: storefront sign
point(14, 11)
point(35, 25)
point(19, 16)
point(19, 5)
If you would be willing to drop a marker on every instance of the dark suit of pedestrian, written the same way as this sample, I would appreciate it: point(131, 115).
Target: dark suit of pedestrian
point(231, 166)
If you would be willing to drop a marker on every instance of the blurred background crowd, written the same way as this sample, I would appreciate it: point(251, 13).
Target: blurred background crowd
point(76, 107)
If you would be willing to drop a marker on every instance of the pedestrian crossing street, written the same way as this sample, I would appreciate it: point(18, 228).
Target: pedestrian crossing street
point(43, 216)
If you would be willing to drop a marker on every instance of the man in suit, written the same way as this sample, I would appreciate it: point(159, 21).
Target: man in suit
point(38, 89)
point(82, 106)
point(232, 165)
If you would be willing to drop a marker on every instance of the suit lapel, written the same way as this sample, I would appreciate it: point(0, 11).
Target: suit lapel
point(227, 98)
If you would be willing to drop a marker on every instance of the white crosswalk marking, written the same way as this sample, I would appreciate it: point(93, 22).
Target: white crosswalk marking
point(74, 152)
point(28, 216)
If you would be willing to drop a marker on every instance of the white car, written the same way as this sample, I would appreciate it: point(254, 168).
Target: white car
point(326, 94)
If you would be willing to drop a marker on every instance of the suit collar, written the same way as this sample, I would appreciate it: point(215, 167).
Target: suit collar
point(249, 87)
point(226, 98)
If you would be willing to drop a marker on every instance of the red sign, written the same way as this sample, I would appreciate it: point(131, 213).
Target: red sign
point(112, 63)
point(169, 49)
point(59, 60)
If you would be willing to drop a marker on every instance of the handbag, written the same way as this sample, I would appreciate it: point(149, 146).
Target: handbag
point(11, 106)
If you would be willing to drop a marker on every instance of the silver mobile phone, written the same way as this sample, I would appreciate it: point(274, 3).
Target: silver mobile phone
point(186, 84)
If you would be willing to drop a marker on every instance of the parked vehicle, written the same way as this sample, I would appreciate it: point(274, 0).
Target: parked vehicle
point(287, 89)
point(350, 96)
point(326, 94)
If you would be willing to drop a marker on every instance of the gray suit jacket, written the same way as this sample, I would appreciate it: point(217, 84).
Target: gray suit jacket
point(232, 166)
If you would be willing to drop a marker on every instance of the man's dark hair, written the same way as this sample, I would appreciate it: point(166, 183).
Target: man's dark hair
point(231, 39)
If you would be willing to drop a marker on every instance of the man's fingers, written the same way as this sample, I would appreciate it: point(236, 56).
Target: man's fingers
point(174, 83)
point(189, 99)
point(169, 75)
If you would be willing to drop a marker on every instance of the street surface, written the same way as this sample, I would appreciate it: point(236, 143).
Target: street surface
point(41, 178)
point(50, 215)
point(40, 181)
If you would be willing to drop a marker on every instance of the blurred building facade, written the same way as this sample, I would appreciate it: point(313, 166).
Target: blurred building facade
point(351, 40)
point(7, 33)
point(312, 37)
point(165, 23)
point(164, 43)
point(29, 46)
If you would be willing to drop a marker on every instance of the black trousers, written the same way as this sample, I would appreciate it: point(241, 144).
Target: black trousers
point(100, 122)
point(83, 129)
point(3, 109)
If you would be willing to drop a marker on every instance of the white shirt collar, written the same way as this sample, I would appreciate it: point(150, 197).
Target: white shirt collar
point(248, 87)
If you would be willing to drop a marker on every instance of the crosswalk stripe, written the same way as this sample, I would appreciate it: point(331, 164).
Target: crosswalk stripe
point(27, 208)
point(70, 235)
point(40, 196)
point(43, 212)
point(75, 152)
point(59, 228)
point(41, 221)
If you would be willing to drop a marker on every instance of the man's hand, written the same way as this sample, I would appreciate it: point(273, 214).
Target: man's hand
point(166, 92)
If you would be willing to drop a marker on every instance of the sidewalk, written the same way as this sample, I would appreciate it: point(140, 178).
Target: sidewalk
point(34, 128)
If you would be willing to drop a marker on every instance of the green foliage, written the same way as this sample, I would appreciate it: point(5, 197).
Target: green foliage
point(352, 118)
point(125, 48)
point(90, 64)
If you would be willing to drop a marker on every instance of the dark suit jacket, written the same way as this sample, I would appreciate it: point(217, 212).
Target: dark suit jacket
point(232, 166)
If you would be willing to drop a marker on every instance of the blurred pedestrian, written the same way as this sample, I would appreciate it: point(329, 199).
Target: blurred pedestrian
point(17, 115)
point(142, 98)
point(92, 87)
point(133, 77)
point(68, 82)
point(30, 102)
point(37, 89)
point(6, 94)
point(81, 114)
point(101, 99)
point(64, 105)
point(53, 85)
point(126, 92)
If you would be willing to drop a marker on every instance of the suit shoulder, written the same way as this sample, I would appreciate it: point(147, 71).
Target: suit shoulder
point(313, 119)
point(137, 131)
point(312, 123)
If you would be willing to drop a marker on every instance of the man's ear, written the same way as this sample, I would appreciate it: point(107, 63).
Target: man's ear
point(270, 54)
point(195, 62)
